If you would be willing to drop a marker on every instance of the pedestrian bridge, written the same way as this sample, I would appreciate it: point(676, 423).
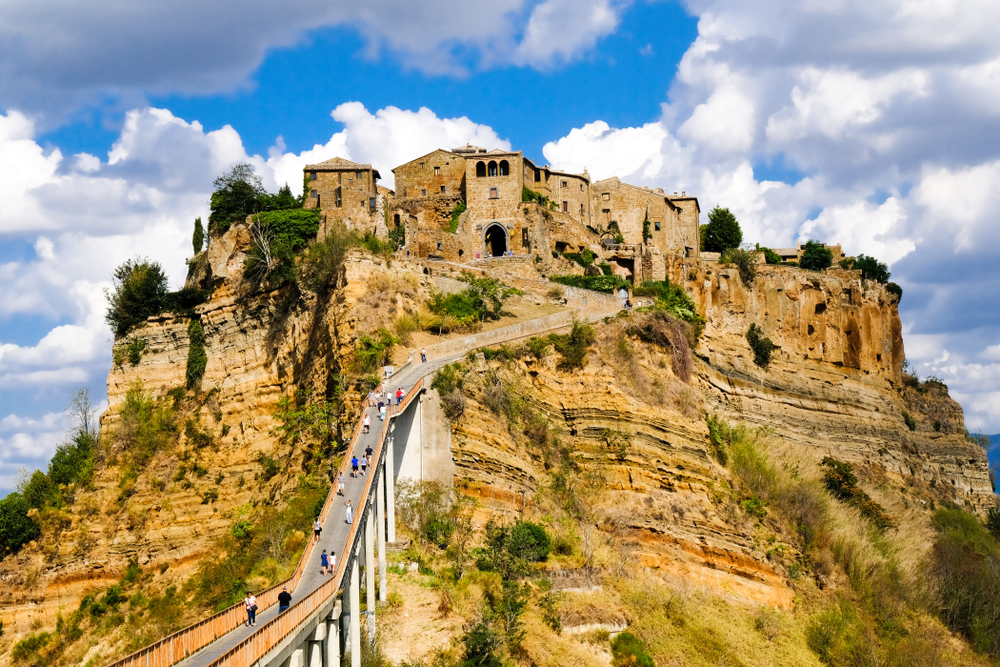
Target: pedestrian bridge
point(325, 621)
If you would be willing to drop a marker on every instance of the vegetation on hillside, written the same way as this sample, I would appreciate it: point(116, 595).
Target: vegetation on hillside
point(815, 256)
point(607, 283)
point(722, 232)
point(482, 300)
point(239, 193)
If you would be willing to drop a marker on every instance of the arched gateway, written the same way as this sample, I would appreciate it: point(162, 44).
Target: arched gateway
point(495, 240)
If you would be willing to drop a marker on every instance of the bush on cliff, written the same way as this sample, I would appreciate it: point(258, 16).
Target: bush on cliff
point(608, 284)
point(276, 237)
point(239, 193)
point(815, 256)
point(16, 528)
point(761, 346)
point(722, 231)
point(138, 291)
point(744, 261)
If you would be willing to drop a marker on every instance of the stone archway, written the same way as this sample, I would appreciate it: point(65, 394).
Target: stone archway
point(495, 240)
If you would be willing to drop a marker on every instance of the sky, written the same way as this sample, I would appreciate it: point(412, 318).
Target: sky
point(874, 124)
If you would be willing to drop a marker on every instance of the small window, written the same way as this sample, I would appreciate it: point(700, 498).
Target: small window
point(491, 168)
point(312, 193)
point(312, 175)
point(421, 165)
point(494, 193)
point(565, 184)
point(606, 196)
point(439, 245)
point(371, 203)
point(538, 175)
point(565, 207)
point(524, 238)
point(656, 226)
point(504, 168)
point(359, 175)
point(581, 187)
point(424, 192)
point(437, 171)
point(480, 169)
point(340, 178)
point(442, 189)
point(395, 219)
point(581, 210)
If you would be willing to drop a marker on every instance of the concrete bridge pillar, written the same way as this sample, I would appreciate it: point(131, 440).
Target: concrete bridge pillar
point(333, 637)
point(380, 531)
point(355, 611)
point(298, 658)
point(390, 486)
point(370, 569)
point(315, 646)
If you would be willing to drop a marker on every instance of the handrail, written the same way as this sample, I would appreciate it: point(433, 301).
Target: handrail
point(181, 644)
point(254, 647)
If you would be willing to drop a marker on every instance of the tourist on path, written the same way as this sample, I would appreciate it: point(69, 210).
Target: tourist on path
point(369, 451)
point(367, 421)
point(333, 562)
point(423, 355)
point(340, 484)
point(324, 562)
point(381, 411)
point(349, 512)
point(251, 602)
point(399, 396)
point(317, 529)
point(284, 599)
point(354, 466)
point(364, 464)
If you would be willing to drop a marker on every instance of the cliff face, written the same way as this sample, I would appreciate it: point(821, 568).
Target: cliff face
point(834, 384)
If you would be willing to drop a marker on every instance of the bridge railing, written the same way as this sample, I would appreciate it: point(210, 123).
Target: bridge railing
point(263, 640)
point(176, 647)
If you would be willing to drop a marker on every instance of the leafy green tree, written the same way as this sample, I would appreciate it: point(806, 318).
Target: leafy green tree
point(16, 527)
point(238, 193)
point(722, 231)
point(895, 290)
point(872, 269)
point(530, 541)
point(488, 294)
point(38, 491)
point(198, 238)
point(629, 651)
point(816, 256)
point(282, 201)
point(139, 290)
point(197, 358)
point(770, 256)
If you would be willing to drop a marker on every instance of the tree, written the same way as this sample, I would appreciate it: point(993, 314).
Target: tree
point(722, 231)
point(895, 290)
point(16, 527)
point(770, 256)
point(872, 269)
point(488, 295)
point(139, 290)
point(238, 193)
point(816, 256)
point(198, 239)
point(38, 490)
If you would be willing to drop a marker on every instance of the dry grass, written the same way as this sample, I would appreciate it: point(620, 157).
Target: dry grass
point(388, 296)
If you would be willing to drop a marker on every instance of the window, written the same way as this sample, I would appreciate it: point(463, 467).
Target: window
point(656, 226)
point(491, 168)
point(442, 189)
point(421, 165)
point(606, 196)
point(565, 184)
point(581, 210)
point(371, 203)
point(312, 175)
point(437, 171)
point(395, 219)
point(504, 168)
point(565, 206)
point(312, 193)
point(340, 178)
point(538, 175)
point(359, 175)
point(480, 169)
point(338, 201)
point(439, 246)
point(424, 192)
point(524, 238)
point(494, 193)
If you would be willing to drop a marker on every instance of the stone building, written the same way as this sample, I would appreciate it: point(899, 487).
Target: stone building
point(795, 254)
point(347, 191)
point(468, 203)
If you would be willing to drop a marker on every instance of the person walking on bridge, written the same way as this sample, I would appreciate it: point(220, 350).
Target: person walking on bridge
point(367, 422)
point(381, 411)
point(354, 466)
point(317, 529)
point(399, 396)
point(284, 599)
point(349, 511)
point(251, 603)
point(324, 562)
point(340, 484)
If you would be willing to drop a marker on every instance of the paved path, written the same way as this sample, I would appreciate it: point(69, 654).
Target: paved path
point(335, 531)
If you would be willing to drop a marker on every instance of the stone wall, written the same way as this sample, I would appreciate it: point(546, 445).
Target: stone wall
point(438, 173)
point(357, 190)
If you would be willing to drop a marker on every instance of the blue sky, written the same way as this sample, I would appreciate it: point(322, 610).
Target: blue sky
point(870, 123)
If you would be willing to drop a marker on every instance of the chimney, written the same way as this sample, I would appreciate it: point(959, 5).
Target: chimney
point(684, 193)
point(675, 193)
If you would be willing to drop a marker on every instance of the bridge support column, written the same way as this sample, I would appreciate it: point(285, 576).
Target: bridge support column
point(355, 611)
point(333, 637)
point(298, 658)
point(390, 487)
point(315, 646)
point(370, 570)
point(380, 531)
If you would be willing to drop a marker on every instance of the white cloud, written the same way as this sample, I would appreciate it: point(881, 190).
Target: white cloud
point(560, 30)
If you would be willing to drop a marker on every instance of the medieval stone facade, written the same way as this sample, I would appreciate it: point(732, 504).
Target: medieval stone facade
point(470, 203)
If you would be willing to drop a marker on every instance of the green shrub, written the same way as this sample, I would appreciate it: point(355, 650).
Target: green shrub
point(183, 301)
point(197, 359)
point(483, 299)
point(456, 213)
point(237, 193)
point(627, 650)
point(531, 541)
point(39, 491)
point(511, 549)
point(134, 349)
point(673, 300)
point(198, 238)
point(29, 646)
point(722, 231)
point(449, 378)
point(145, 426)
point(872, 269)
point(840, 480)
point(909, 421)
point(377, 246)
point(277, 236)
point(895, 290)
point(770, 257)
point(138, 290)
point(584, 259)
point(719, 438)
point(605, 268)
point(16, 528)
point(375, 351)
point(815, 256)
point(761, 346)
point(744, 261)
point(573, 347)
point(268, 466)
point(322, 265)
point(609, 284)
